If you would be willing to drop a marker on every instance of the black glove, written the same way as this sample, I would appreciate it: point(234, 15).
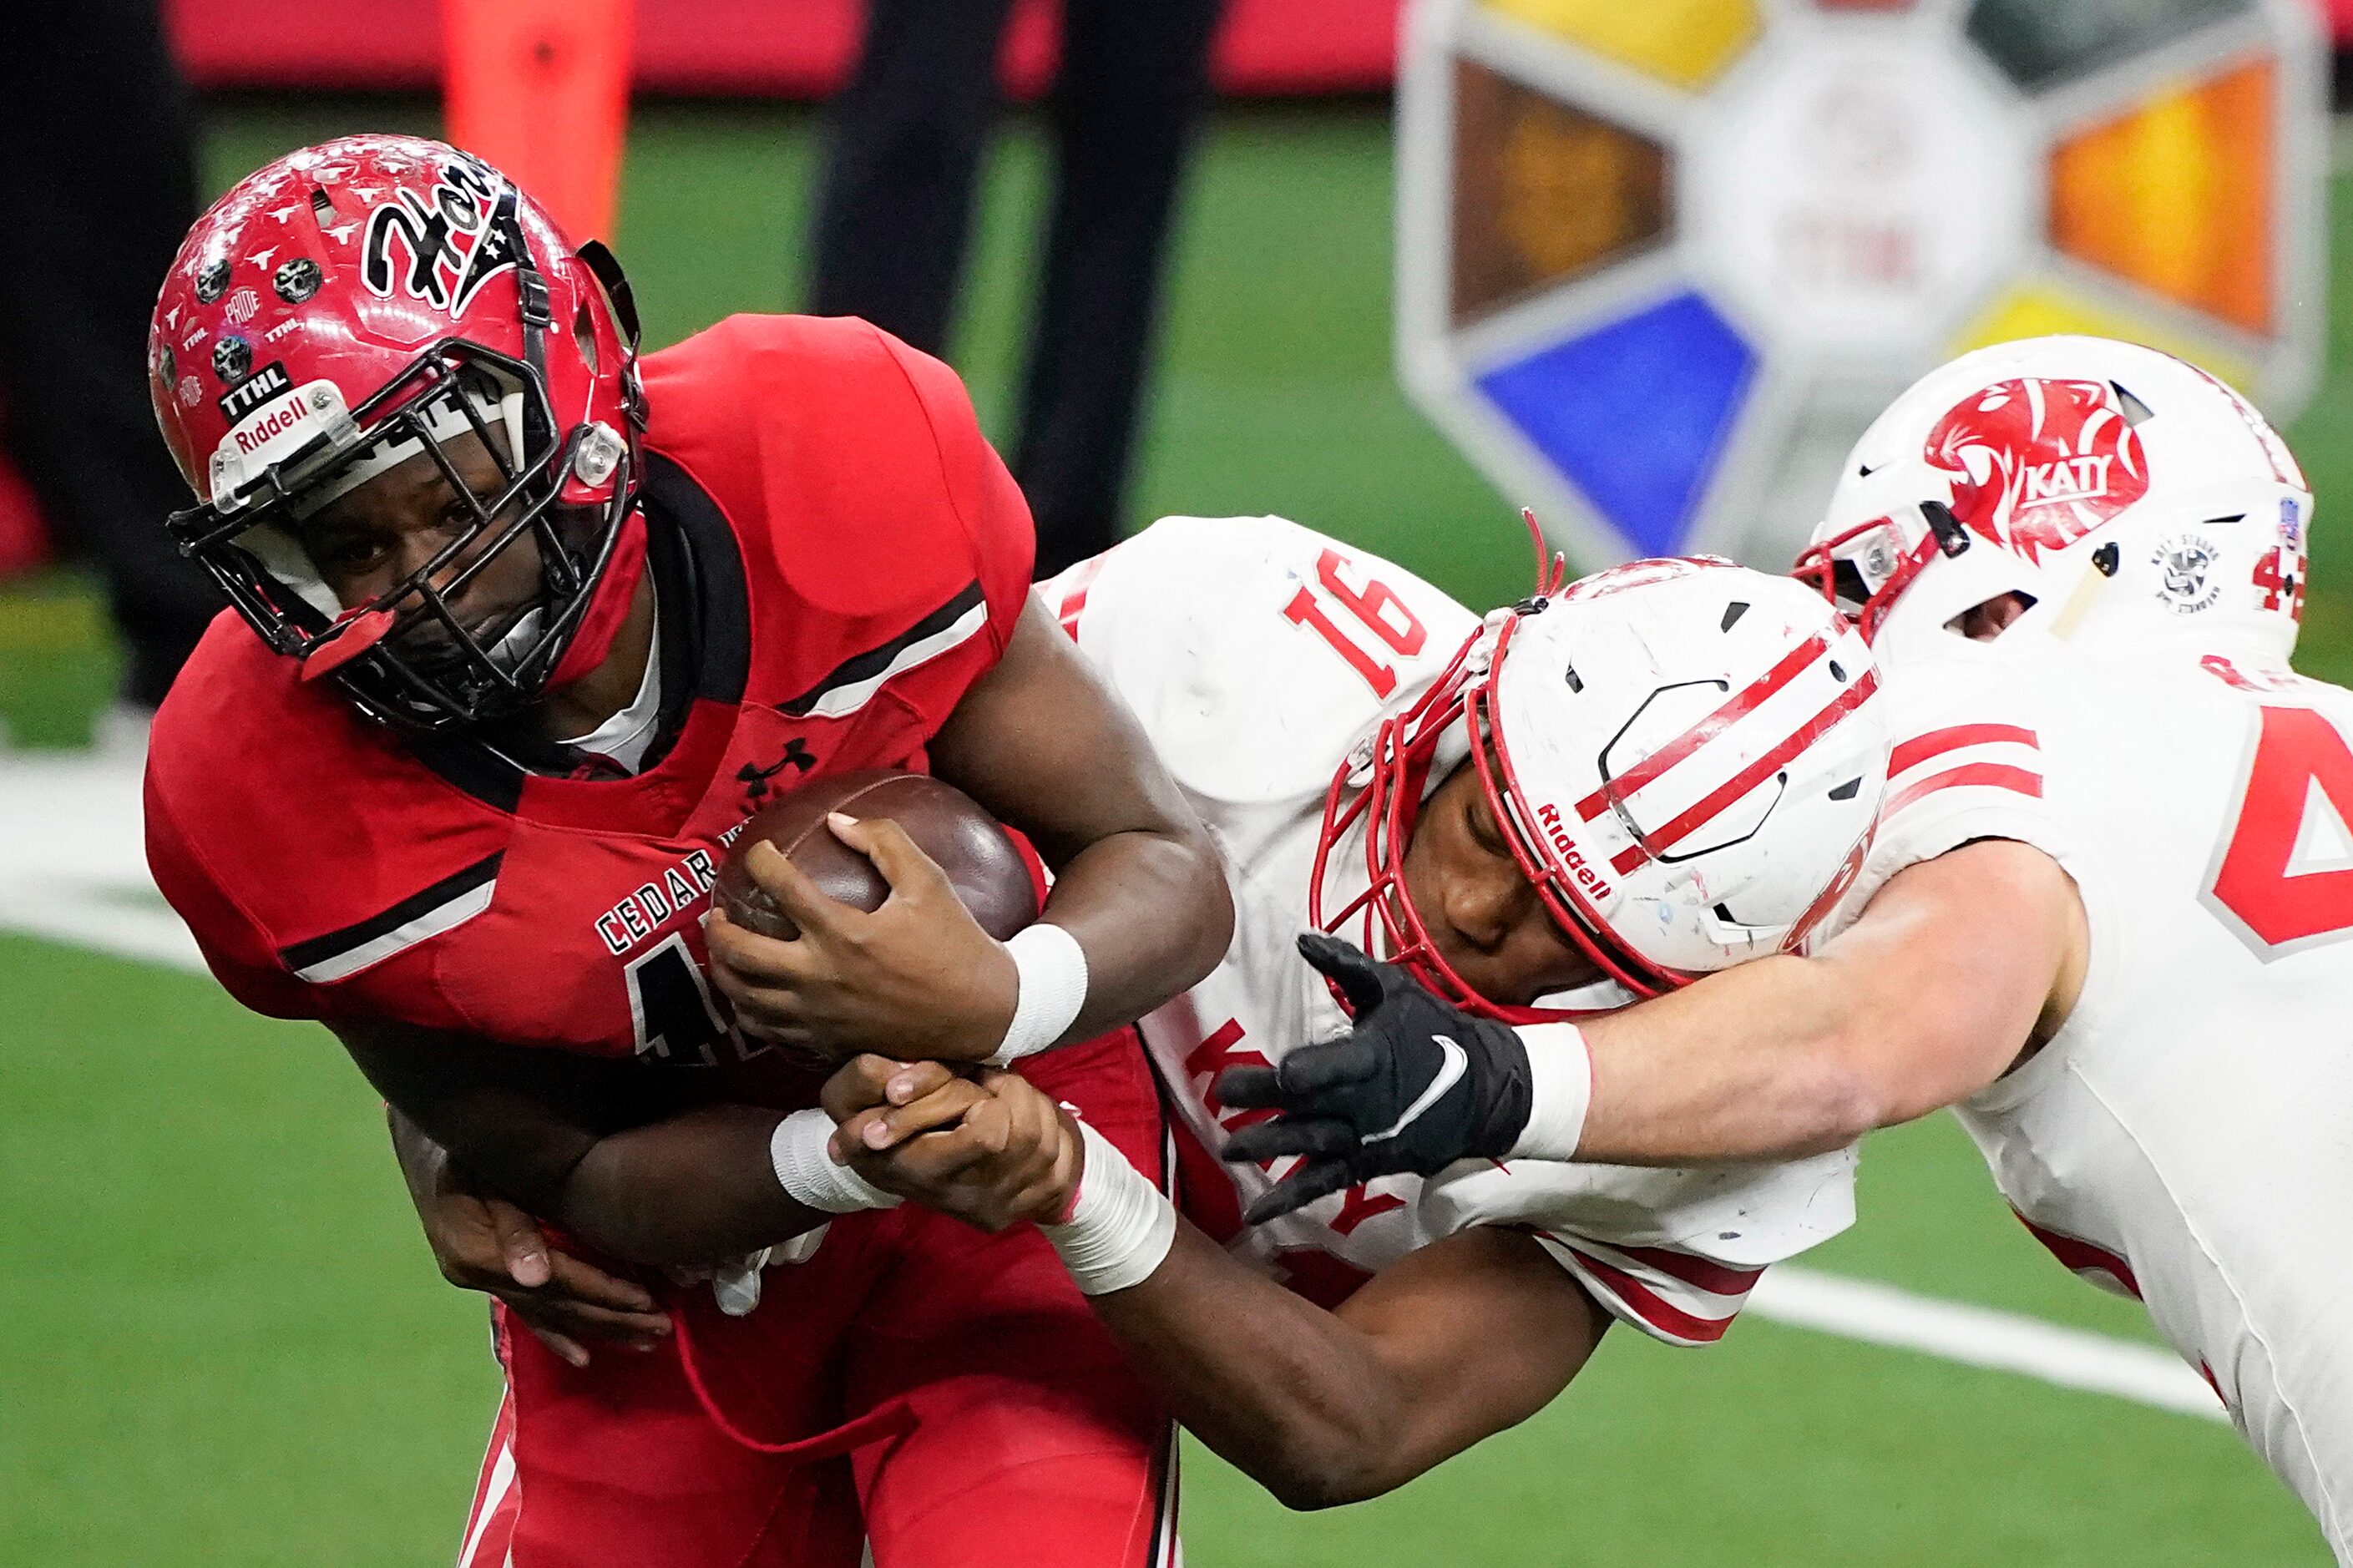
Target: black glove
point(1415, 1085)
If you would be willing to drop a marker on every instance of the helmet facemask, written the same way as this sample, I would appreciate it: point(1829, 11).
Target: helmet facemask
point(1675, 740)
point(249, 539)
point(1452, 725)
point(1864, 570)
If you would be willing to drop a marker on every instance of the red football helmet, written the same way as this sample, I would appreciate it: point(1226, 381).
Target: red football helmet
point(359, 302)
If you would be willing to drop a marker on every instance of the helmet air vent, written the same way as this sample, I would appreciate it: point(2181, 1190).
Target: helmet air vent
point(1951, 537)
point(583, 336)
point(2137, 413)
point(1848, 790)
point(1732, 614)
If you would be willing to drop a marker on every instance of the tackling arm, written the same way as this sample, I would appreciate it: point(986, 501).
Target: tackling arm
point(1458, 1341)
point(1957, 967)
point(545, 1130)
point(1452, 1344)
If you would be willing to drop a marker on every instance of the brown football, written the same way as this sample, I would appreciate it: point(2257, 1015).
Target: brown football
point(988, 873)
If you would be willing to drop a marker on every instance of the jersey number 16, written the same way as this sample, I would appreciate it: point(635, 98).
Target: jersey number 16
point(1376, 606)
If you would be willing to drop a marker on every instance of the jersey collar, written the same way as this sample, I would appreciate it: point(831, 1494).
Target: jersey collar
point(705, 656)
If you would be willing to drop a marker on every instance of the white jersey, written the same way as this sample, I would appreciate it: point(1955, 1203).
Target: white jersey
point(2187, 1137)
point(1258, 653)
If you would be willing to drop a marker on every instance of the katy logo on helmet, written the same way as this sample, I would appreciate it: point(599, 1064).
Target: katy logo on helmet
point(441, 249)
point(2036, 465)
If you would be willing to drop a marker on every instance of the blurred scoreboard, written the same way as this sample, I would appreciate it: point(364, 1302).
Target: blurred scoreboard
point(1660, 261)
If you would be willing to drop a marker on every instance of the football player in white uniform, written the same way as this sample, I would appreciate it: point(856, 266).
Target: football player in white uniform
point(2106, 912)
point(1675, 768)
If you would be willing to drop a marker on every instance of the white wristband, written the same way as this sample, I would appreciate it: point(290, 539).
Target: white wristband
point(808, 1173)
point(1050, 970)
point(1121, 1227)
point(1560, 1091)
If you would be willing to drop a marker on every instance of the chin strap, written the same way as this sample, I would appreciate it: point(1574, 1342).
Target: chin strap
point(609, 605)
point(354, 634)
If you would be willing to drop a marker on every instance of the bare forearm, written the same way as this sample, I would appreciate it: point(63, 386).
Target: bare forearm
point(1953, 969)
point(1288, 1392)
point(538, 1129)
point(1453, 1345)
point(694, 1189)
point(1758, 1065)
point(1152, 913)
point(1044, 744)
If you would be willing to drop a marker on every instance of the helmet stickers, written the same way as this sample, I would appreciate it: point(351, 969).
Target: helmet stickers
point(441, 247)
point(370, 301)
point(2036, 465)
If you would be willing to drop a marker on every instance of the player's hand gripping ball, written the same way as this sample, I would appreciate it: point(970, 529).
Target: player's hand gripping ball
point(867, 911)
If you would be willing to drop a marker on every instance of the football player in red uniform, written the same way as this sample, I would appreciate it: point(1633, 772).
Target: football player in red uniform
point(522, 637)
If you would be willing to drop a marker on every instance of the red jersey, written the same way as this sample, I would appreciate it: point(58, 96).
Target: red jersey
point(838, 556)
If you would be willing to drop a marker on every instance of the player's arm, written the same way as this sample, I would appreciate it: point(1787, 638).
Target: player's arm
point(1959, 964)
point(568, 1138)
point(1043, 742)
point(1139, 909)
point(1956, 968)
point(1454, 1344)
point(1469, 1336)
point(483, 1242)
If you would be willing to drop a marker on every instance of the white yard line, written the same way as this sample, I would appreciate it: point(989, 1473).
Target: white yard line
point(1981, 1336)
point(72, 869)
point(81, 917)
point(73, 866)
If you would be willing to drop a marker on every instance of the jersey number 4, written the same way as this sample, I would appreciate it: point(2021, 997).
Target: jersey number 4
point(677, 1018)
point(2286, 878)
point(1376, 606)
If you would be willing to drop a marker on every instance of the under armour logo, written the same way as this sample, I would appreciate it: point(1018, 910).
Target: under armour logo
point(754, 778)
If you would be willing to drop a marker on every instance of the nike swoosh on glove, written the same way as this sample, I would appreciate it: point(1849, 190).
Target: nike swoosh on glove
point(1416, 1085)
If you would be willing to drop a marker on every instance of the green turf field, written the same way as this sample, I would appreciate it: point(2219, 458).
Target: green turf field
point(228, 1345)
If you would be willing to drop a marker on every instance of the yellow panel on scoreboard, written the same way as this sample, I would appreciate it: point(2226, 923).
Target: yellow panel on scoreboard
point(1542, 192)
point(2177, 195)
point(1686, 42)
point(2039, 309)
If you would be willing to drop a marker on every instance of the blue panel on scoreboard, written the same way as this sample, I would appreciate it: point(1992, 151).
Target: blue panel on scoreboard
point(1636, 412)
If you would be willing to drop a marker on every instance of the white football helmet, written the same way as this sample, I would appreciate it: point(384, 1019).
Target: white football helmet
point(1685, 756)
point(2126, 493)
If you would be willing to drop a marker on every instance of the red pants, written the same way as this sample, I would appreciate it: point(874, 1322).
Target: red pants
point(1002, 1426)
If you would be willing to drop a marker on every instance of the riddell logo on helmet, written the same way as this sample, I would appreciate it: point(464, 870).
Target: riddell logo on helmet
point(1592, 882)
point(265, 427)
